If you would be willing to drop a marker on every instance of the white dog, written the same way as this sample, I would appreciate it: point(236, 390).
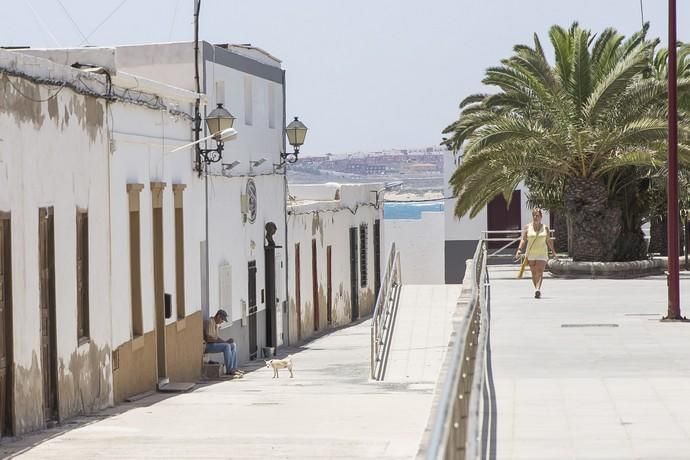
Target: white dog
point(280, 364)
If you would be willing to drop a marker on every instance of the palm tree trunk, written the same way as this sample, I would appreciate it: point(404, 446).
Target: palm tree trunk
point(595, 224)
point(658, 236)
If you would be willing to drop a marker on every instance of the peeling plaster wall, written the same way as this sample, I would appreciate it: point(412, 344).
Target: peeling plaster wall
point(55, 153)
point(328, 223)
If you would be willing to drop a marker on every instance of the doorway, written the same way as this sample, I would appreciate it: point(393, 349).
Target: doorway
point(46, 261)
point(354, 281)
point(6, 361)
point(377, 258)
point(298, 291)
point(251, 295)
point(315, 284)
point(501, 217)
point(271, 314)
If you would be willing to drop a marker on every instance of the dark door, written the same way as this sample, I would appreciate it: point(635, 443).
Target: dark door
point(377, 257)
point(501, 217)
point(329, 286)
point(315, 285)
point(251, 295)
point(354, 282)
point(46, 238)
point(159, 290)
point(298, 291)
point(6, 393)
point(271, 328)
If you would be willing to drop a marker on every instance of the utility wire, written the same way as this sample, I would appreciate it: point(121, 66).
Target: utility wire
point(172, 24)
point(43, 24)
point(103, 22)
point(72, 20)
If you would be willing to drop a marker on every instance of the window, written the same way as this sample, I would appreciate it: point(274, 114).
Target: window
point(82, 275)
point(363, 254)
point(271, 106)
point(133, 191)
point(179, 250)
point(248, 101)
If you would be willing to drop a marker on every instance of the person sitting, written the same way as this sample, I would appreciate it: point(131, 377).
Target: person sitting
point(215, 344)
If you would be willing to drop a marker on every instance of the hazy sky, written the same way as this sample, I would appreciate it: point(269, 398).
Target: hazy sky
point(364, 75)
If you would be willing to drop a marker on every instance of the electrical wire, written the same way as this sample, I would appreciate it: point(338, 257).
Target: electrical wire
point(172, 24)
point(72, 20)
point(19, 91)
point(103, 21)
point(43, 24)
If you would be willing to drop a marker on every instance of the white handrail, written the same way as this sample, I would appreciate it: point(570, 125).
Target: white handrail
point(381, 320)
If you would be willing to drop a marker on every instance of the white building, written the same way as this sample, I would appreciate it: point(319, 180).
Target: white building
point(334, 255)
point(85, 178)
point(246, 193)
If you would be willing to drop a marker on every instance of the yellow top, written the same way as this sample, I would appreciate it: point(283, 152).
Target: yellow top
point(536, 242)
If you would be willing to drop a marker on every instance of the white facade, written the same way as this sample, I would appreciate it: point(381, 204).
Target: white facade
point(249, 83)
point(420, 244)
point(53, 156)
point(332, 219)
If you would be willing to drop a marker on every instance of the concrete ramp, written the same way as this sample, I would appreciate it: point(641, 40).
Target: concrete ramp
point(421, 332)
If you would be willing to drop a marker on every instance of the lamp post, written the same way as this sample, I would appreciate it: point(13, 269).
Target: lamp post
point(296, 131)
point(217, 122)
point(672, 184)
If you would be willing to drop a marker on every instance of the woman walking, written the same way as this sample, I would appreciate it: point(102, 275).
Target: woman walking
point(537, 238)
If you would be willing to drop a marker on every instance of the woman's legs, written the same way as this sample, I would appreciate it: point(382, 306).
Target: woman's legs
point(533, 271)
point(539, 267)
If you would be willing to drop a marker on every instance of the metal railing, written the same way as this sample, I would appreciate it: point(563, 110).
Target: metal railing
point(382, 319)
point(454, 430)
point(504, 236)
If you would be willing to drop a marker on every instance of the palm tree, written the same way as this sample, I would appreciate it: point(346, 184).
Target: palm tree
point(593, 126)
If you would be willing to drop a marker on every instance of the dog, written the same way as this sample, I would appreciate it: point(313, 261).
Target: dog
point(280, 364)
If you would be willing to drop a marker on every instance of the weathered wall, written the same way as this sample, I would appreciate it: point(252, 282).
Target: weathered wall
point(54, 152)
point(136, 370)
point(183, 347)
point(327, 222)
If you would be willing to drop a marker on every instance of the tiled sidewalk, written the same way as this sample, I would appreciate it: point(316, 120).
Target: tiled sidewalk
point(588, 371)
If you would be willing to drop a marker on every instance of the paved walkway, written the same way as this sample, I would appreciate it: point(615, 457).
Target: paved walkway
point(421, 333)
point(329, 410)
point(588, 371)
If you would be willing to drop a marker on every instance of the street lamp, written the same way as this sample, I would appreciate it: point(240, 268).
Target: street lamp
point(217, 122)
point(296, 131)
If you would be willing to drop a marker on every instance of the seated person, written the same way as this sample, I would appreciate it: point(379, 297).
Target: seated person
point(215, 344)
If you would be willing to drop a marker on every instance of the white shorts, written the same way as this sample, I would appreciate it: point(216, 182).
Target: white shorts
point(535, 258)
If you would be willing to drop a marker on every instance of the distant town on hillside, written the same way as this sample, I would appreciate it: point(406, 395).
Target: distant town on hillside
point(420, 169)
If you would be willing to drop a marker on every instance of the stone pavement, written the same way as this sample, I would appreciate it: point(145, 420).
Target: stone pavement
point(329, 410)
point(588, 371)
point(421, 333)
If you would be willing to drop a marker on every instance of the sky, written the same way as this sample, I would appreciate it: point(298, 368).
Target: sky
point(363, 75)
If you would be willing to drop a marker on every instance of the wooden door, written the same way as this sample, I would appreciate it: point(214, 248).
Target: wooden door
point(502, 217)
point(46, 238)
point(315, 284)
point(329, 286)
point(6, 393)
point(298, 291)
point(271, 313)
point(251, 295)
point(354, 281)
